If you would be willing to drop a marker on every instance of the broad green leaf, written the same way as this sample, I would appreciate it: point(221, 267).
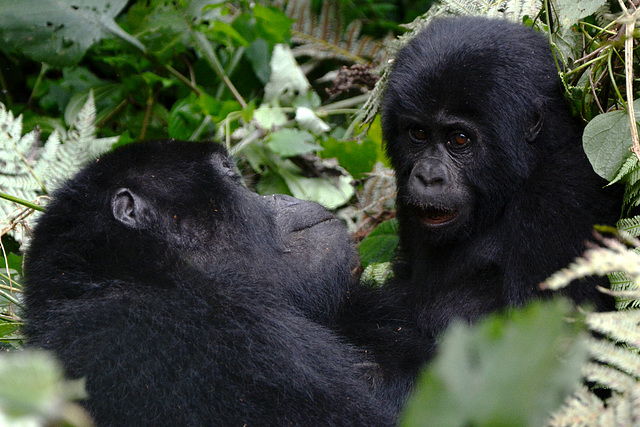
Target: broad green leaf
point(7, 329)
point(606, 141)
point(269, 117)
point(258, 55)
point(287, 80)
point(329, 192)
point(272, 183)
point(358, 157)
point(571, 11)
point(58, 32)
point(32, 386)
point(272, 24)
point(184, 118)
point(291, 142)
point(507, 370)
point(380, 245)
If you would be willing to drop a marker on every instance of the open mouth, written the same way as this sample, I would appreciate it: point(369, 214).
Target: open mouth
point(433, 216)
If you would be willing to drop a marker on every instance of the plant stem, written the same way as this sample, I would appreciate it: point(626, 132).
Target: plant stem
point(21, 202)
point(630, 22)
point(205, 47)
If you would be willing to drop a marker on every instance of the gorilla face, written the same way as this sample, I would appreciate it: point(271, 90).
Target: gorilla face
point(461, 118)
point(219, 208)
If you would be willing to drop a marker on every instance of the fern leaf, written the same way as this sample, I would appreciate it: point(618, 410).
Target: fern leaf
point(582, 409)
point(377, 274)
point(611, 354)
point(62, 159)
point(621, 326)
point(630, 225)
point(323, 37)
point(609, 377)
point(630, 164)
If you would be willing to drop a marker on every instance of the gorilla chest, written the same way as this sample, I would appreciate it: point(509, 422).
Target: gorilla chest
point(453, 289)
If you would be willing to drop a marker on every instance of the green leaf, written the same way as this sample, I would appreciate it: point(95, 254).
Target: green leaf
point(606, 141)
point(57, 32)
point(329, 192)
point(380, 245)
point(507, 370)
point(7, 329)
point(291, 142)
point(269, 117)
point(358, 157)
point(571, 11)
point(184, 118)
point(258, 55)
point(32, 386)
point(225, 34)
point(287, 80)
point(272, 24)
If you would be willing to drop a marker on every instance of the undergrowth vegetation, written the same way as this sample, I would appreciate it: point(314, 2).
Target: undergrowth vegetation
point(292, 89)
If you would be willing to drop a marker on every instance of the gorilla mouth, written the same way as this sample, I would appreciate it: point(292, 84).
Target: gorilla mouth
point(434, 216)
point(307, 225)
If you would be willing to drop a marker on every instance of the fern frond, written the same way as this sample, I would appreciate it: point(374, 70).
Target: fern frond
point(377, 274)
point(622, 358)
point(630, 225)
point(323, 37)
point(630, 164)
point(582, 409)
point(621, 326)
point(609, 377)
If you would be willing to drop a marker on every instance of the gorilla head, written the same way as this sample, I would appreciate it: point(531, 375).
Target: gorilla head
point(494, 190)
point(185, 299)
point(466, 115)
point(160, 207)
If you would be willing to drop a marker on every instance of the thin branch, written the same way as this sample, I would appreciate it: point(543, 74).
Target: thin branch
point(183, 79)
point(21, 202)
point(630, 21)
point(205, 47)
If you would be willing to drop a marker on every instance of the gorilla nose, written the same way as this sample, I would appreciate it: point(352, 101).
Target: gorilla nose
point(294, 214)
point(429, 178)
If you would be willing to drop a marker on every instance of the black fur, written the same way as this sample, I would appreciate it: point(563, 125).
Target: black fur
point(186, 299)
point(495, 192)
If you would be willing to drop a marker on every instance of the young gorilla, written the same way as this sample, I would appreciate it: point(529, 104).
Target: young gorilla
point(495, 192)
point(185, 299)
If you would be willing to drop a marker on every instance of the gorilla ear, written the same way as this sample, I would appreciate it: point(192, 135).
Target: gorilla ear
point(128, 208)
point(532, 132)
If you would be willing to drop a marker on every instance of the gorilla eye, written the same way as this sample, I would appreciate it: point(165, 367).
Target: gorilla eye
point(418, 134)
point(459, 138)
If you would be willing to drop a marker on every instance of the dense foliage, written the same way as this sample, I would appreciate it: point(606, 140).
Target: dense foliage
point(281, 85)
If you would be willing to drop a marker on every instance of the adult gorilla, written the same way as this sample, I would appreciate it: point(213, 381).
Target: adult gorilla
point(495, 192)
point(185, 299)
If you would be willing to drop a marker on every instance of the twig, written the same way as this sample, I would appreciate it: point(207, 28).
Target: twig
point(214, 62)
point(21, 201)
point(630, 21)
